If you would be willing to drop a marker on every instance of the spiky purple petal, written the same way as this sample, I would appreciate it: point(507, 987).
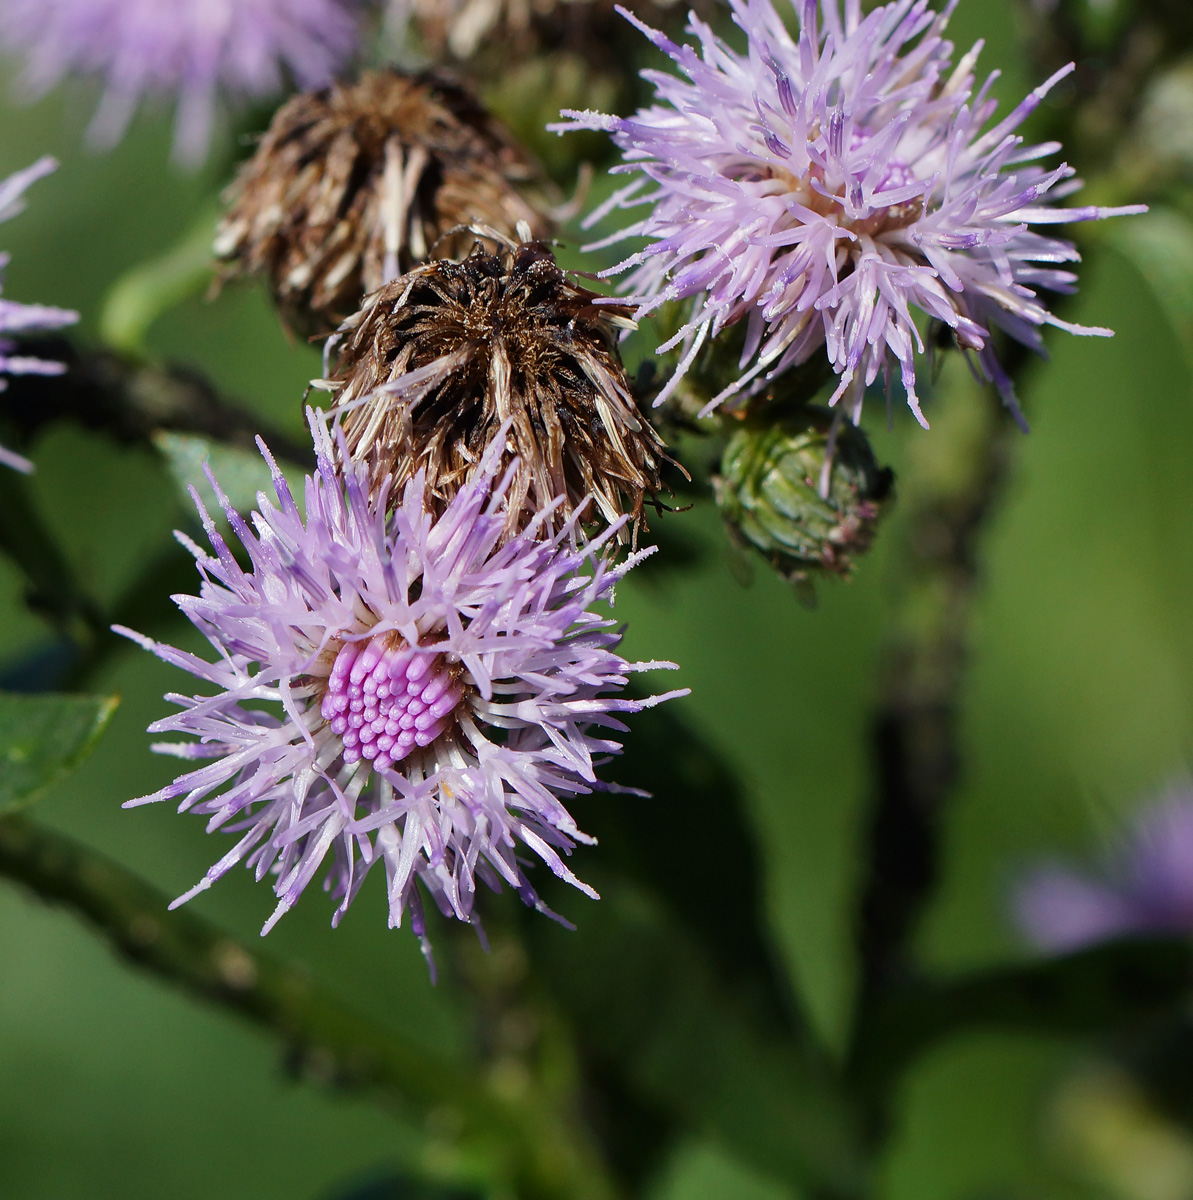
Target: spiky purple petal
point(828, 187)
point(498, 634)
point(1146, 886)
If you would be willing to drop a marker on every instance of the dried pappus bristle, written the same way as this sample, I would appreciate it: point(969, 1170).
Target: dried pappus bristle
point(356, 183)
point(433, 364)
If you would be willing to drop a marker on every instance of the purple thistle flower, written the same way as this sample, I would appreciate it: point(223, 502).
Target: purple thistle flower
point(25, 318)
point(824, 187)
point(408, 690)
point(1146, 886)
point(191, 49)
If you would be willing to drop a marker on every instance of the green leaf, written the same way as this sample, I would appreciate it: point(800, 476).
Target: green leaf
point(653, 1012)
point(397, 1186)
point(43, 739)
point(241, 473)
point(1160, 246)
point(670, 760)
point(154, 287)
point(671, 984)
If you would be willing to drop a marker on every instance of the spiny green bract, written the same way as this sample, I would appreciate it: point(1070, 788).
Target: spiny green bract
point(770, 493)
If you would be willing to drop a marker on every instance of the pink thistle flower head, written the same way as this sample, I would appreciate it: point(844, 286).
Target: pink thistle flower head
point(827, 187)
point(1145, 887)
point(25, 318)
point(189, 49)
point(416, 691)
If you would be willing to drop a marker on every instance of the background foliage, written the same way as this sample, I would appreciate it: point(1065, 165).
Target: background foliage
point(1078, 702)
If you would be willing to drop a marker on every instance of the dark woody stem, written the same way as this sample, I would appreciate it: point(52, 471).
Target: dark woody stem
point(51, 586)
point(953, 486)
point(528, 1136)
point(130, 401)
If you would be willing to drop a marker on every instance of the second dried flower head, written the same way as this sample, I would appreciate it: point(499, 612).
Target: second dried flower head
point(357, 183)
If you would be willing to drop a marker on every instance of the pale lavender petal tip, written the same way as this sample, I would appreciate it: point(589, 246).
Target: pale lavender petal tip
point(18, 318)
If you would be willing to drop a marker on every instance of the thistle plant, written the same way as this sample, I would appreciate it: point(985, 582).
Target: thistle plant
point(822, 187)
point(403, 450)
point(398, 688)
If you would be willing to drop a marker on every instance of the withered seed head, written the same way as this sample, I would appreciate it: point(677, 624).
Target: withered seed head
point(433, 364)
point(356, 183)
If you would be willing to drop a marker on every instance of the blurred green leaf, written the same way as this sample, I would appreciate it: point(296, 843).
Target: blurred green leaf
point(397, 1186)
point(703, 1171)
point(647, 1005)
point(151, 288)
point(974, 1124)
point(43, 739)
point(1160, 246)
point(681, 772)
point(241, 473)
point(696, 807)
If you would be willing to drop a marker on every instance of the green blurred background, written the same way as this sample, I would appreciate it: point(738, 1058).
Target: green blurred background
point(1079, 704)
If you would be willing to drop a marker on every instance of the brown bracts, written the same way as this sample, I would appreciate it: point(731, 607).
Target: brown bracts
point(433, 364)
point(354, 184)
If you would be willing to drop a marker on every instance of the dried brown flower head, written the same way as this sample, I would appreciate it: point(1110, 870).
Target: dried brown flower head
point(433, 364)
point(356, 183)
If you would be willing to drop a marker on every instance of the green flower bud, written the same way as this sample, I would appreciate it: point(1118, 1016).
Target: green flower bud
point(769, 492)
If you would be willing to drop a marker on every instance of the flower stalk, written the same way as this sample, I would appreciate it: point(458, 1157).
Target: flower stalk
point(530, 1141)
point(952, 491)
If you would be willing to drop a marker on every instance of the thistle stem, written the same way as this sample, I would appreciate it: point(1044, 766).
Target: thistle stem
point(53, 588)
point(954, 484)
point(130, 401)
point(530, 1141)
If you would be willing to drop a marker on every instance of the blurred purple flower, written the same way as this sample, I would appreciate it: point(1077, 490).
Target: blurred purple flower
point(414, 691)
point(1146, 886)
point(191, 49)
point(25, 318)
point(824, 187)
